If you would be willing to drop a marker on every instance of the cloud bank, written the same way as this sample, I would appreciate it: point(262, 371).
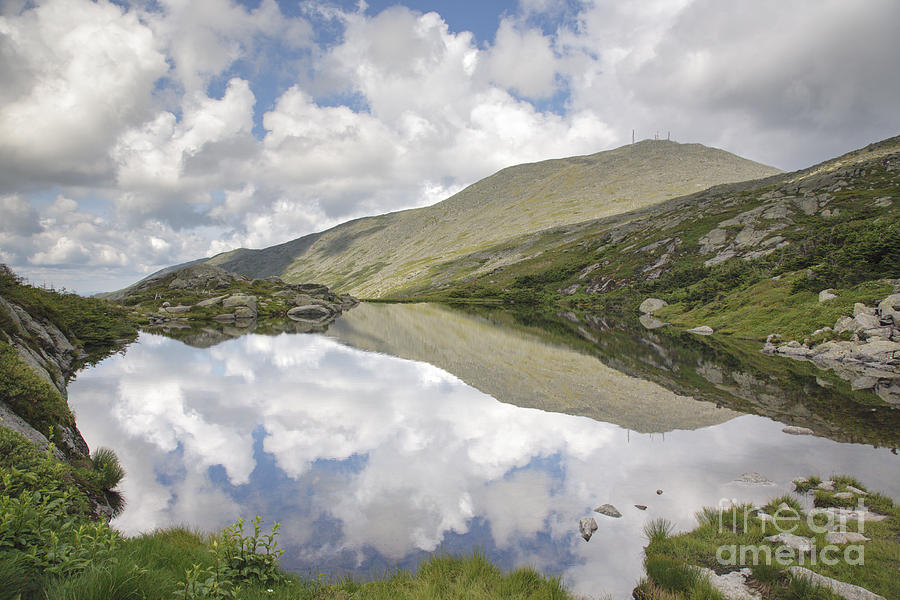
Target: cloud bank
point(134, 135)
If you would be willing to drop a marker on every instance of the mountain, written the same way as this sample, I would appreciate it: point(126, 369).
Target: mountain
point(380, 256)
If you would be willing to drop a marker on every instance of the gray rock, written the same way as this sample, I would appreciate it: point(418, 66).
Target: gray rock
point(826, 486)
point(651, 322)
point(845, 515)
point(11, 420)
point(720, 257)
point(809, 205)
point(239, 300)
point(609, 510)
point(178, 309)
point(845, 324)
point(861, 309)
point(826, 295)
point(702, 330)
point(651, 305)
point(588, 270)
point(211, 301)
point(848, 591)
point(866, 321)
point(845, 537)
point(797, 542)
point(879, 351)
point(712, 240)
point(733, 585)
point(225, 318)
point(568, 291)
point(864, 382)
point(587, 526)
point(856, 491)
point(793, 348)
point(890, 307)
point(203, 276)
point(309, 312)
point(244, 312)
point(753, 478)
point(794, 430)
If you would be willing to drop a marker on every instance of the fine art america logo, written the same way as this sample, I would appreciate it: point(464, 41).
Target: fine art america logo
point(785, 546)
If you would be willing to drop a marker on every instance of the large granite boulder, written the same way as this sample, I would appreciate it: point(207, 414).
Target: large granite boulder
point(310, 312)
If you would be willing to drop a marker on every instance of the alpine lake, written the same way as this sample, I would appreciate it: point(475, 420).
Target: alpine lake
point(405, 430)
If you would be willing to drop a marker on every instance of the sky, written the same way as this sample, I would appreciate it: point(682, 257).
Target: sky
point(136, 134)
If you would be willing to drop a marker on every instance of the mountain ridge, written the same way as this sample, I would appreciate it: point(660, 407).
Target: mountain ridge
point(379, 255)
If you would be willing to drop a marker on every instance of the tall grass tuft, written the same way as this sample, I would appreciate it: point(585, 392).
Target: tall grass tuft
point(109, 473)
point(658, 529)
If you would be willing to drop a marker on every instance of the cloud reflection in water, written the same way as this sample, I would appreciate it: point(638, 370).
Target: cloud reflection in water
point(370, 461)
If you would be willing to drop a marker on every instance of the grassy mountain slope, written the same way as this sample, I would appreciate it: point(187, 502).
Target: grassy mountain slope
point(746, 258)
point(377, 256)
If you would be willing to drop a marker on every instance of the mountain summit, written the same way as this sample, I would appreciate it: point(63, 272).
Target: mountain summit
point(378, 256)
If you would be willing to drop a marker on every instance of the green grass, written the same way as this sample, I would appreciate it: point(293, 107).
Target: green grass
point(53, 548)
point(770, 306)
point(719, 529)
point(804, 486)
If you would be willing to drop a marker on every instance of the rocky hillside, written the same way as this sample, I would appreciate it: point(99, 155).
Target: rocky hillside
point(45, 338)
point(381, 255)
point(789, 255)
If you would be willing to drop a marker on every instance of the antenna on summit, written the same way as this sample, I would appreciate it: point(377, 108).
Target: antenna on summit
point(632, 136)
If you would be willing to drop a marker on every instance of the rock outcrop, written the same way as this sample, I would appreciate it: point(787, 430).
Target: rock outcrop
point(231, 299)
point(870, 359)
point(54, 358)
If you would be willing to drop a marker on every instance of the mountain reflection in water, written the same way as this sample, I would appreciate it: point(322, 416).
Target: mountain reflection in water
point(371, 461)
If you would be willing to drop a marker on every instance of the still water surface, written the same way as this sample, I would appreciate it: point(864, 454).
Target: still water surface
point(371, 461)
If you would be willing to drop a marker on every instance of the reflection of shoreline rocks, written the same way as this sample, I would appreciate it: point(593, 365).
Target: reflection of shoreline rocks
point(869, 359)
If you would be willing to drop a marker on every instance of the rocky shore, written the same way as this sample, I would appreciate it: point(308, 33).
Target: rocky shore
point(208, 295)
point(54, 358)
point(863, 348)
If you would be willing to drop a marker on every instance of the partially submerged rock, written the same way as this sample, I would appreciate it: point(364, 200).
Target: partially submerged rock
point(587, 526)
point(754, 478)
point(310, 312)
point(795, 430)
point(609, 510)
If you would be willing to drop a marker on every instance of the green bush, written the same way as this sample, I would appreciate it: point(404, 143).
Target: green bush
point(238, 560)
